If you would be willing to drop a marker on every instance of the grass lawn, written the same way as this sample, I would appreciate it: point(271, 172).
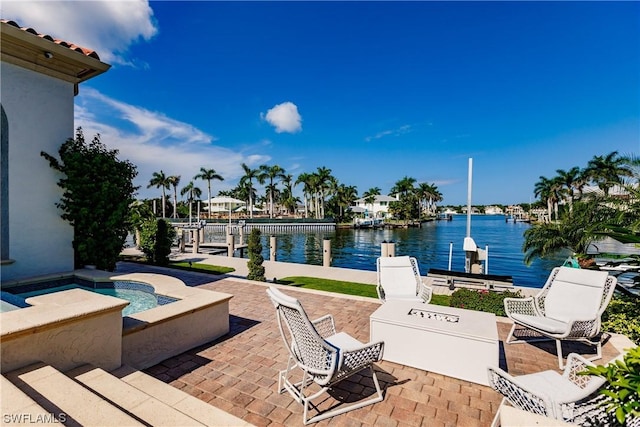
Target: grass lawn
point(201, 268)
point(349, 288)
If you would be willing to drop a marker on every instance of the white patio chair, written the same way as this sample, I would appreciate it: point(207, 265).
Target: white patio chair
point(568, 397)
point(399, 279)
point(568, 307)
point(324, 356)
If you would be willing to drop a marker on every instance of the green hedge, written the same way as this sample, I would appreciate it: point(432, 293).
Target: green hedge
point(622, 316)
point(482, 300)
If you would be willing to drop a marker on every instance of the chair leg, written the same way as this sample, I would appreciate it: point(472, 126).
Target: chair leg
point(496, 419)
point(559, 350)
point(307, 401)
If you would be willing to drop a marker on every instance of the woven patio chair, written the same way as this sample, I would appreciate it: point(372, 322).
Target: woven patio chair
point(568, 307)
point(568, 397)
point(324, 356)
point(399, 279)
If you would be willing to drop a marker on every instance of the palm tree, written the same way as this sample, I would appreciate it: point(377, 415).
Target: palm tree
point(570, 181)
point(547, 189)
point(271, 173)
point(247, 182)
point(607, 171)
point(403, 187)
point(289, 201)
point(174, 180)
point(345, 196)
point(194, 192)
point(305, 178)
point(208, 175)
point(160, 180)
point(369, 197)
point(323, 183)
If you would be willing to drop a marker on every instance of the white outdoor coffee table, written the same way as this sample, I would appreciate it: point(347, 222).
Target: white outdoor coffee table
point(450, 341)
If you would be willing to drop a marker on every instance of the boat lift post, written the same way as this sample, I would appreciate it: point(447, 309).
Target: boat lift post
point(469, 246)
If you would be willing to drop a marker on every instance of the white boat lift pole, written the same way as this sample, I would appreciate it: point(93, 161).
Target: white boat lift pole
point(450, 254)
point(469, 245)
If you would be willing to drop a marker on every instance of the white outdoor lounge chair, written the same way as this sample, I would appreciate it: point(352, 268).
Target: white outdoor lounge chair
point(568, 307)
point(324, 356)
point(568, 397)
point(399, 279)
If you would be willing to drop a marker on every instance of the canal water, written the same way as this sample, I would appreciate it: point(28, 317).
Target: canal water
point(359, 248)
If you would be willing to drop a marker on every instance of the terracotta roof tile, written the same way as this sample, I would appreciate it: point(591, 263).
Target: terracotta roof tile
point(83, 50)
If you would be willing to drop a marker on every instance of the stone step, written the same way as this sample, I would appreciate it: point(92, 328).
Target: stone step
point(18, 408)
point(60, 395)
point(203, 412)
point(131, 399)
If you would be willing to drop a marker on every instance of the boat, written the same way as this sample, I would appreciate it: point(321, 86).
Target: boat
point(444, 216)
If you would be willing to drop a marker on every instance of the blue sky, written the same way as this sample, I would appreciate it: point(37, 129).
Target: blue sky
point(374, 91)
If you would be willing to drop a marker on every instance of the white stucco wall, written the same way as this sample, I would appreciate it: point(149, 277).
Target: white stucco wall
point(39, 110)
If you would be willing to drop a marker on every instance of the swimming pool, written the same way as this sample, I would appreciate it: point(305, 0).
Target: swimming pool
point(141, 296)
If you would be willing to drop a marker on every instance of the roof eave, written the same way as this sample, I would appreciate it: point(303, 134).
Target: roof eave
point(35, 53)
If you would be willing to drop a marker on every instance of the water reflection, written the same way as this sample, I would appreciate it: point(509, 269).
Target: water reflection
point(351, 248)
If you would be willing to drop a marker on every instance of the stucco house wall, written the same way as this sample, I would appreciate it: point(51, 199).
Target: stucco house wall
point(39, 112)
point(39, 77)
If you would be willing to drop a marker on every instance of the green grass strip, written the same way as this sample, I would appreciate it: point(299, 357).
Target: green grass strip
point(201, 268)
point(348, 288)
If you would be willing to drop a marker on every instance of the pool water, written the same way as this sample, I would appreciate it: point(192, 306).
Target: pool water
point(139, 300)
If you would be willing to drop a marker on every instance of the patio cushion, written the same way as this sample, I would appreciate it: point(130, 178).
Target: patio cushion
point(546, 324)
point(344, 341)
point(398, 275)
point(575, 294)
point(552, 384)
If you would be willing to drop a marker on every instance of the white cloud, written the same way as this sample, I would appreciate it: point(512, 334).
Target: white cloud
point(394, 132)
point(154, 142)
point(108, 27)
point(284, 117)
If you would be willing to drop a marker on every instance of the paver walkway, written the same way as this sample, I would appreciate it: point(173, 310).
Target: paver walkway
point(238, 373)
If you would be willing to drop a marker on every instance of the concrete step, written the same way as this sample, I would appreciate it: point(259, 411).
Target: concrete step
point(131, 399)
point(203, 412)
point(18, 408)
point(59, 394)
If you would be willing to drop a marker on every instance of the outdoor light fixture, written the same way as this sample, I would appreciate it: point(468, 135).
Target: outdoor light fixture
point(48, 55)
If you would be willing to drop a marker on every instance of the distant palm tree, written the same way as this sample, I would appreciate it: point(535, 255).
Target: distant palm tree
point(345, 196)
point(547, 189)
point(271, 173)
point(160, 180)
point(369, 196)
point(403, 187)
point(174, 180)
point(194, 192)
point(305, 178)
point(208, 175)
point(570, 181)
point(247, 182)
point(323, 183)
point(607, 171)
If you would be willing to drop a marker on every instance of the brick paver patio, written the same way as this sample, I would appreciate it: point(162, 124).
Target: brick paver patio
point(238, 373)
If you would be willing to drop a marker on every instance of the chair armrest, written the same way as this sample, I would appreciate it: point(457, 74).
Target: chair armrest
point(520, 306)
point(425, 292)
point(517, 394)
point(325, 325)
point(576, 364)
point(363, 356)
point(583, 328)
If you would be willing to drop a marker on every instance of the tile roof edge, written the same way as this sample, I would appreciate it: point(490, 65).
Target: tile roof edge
point(83, 50)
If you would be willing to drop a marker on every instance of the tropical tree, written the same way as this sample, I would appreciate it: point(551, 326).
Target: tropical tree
point(345, 196)
point(607, 171)
point(174, 181)
point(569, 182)
point(270, 173)
point(247, 182)
point(323, 183)
point(288, 200)
point(305, 179)
point(208, 175)
point(97, 196)
point(428, 195)
point(546, 189)
point(369, 197)
point(160, 180)
point(403, 187)
point(193, 192)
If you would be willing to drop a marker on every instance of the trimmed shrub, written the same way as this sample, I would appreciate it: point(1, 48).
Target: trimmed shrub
point(254, 248)
point(156, 238)
point(622, 316)
point(482, 300)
